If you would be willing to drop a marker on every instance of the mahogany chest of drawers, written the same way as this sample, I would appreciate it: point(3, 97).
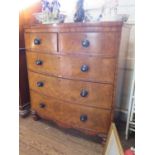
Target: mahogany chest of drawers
point(72, 70)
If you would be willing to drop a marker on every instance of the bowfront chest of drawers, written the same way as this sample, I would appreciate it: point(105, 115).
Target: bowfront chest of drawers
point(72, 70)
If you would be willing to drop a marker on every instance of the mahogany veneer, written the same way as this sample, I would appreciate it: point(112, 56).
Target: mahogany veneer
point(98, 95)
point(69, 114)
point(100, 69)
point(99, 43)
point(72, 71)
point(24, 99)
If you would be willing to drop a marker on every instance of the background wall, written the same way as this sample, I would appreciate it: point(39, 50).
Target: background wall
point(127, 7)
point(126, 70)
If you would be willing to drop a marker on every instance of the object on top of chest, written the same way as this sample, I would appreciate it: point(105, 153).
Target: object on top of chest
point(79, 15)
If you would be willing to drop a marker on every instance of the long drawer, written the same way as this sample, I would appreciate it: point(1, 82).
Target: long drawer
point(77, 92)
point(89, 43)
point(87, 68)
point(74, 115)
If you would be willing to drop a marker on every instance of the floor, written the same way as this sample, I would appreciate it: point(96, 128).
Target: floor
point(46, 138)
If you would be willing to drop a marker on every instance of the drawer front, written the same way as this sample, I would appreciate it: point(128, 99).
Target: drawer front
point(74, 115)
point(83, 68)
point(43, 63)
point(41, 42)
point(89, 43)
point(77, 92)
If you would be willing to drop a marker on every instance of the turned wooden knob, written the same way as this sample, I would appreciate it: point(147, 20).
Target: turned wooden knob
point(84, 68)
point(40, 84)
point(83, 118)
point(84, 93)
point(42, 105)
point(85, 43)
point(39, 62)
point(37, 41)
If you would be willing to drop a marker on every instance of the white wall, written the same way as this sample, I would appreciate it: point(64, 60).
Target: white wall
point(124, 6)
point(127, 7)
point(125, 70)
point(129, 68)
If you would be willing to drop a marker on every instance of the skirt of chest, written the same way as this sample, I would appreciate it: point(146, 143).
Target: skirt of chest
point(72, 76)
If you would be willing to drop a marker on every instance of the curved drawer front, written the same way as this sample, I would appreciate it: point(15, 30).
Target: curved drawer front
point(74, 115)
point(49, 63)
point(82, 68)
point(77, 92)
point(41, 42)
point(89, 43)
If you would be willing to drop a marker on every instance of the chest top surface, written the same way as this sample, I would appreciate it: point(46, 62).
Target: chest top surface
point(73, 27)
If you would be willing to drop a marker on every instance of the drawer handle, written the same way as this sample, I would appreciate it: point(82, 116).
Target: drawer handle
point(84, 93)
point(42, 105)
point(37, 41)
point(39, 62)
point(40, 84)
point(84, 68)
point(85, 43)
point(83, 118)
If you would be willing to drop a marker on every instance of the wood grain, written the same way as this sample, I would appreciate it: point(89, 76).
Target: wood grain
point(99, 95)
point(100, 69)
point(48, 42)
point(76, 27)
point(99, 43)
point(49, 139)
point(98, 119)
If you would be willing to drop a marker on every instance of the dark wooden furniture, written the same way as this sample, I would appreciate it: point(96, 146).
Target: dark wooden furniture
point(25, 18)
point(24, 98)
point(72, 70)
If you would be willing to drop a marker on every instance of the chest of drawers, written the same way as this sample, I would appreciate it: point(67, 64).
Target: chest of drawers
point(72, 70)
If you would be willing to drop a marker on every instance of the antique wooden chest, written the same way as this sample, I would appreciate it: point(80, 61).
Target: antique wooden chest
point(72, 70)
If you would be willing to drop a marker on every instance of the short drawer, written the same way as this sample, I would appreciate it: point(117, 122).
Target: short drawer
point(87, 68)
point(76, 116)
point(89, 43)
point(76, 92)
point(43, 63)
point(41, 42)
